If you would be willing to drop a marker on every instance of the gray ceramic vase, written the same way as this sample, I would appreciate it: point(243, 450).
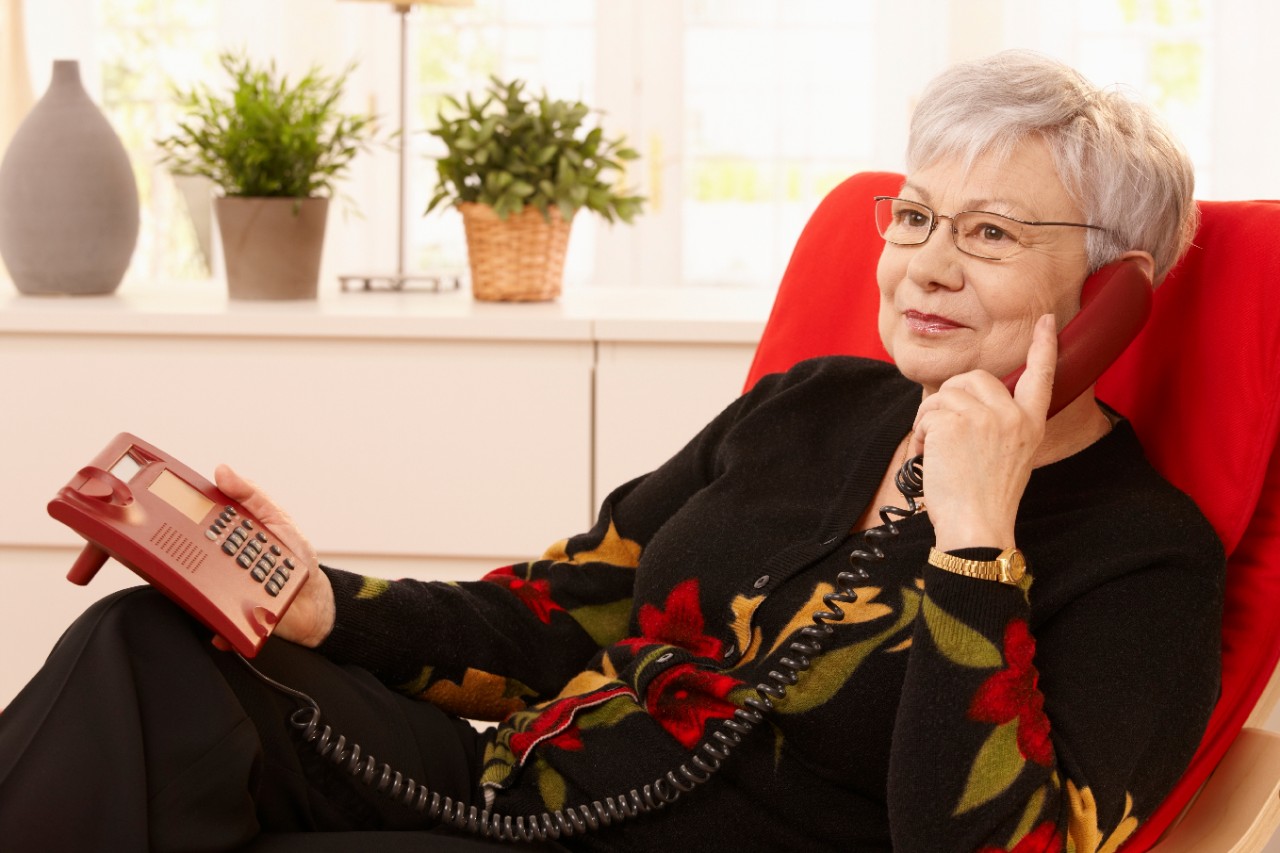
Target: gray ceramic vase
point(68, 198)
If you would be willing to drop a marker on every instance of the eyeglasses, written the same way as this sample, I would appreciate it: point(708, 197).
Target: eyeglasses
point(975, 232)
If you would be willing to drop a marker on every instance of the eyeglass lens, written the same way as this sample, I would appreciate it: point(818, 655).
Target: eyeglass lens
point(986, 235)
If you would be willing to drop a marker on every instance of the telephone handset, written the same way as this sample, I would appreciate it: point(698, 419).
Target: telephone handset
point(1114, 305)
point(173, 527)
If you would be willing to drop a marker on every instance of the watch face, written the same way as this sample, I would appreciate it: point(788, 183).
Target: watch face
point(1015, 565)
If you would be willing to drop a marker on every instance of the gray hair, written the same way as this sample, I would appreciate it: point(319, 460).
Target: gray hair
point(1116, 159)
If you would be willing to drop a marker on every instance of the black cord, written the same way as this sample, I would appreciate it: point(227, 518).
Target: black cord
point(707, 757)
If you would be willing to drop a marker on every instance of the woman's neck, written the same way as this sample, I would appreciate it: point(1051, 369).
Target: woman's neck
point(1078, 425)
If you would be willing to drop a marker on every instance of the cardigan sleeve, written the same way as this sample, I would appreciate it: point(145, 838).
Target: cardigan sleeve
point(486, 648)
point(1065, 740)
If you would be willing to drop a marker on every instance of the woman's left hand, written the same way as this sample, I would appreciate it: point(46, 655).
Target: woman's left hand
point(979, 443)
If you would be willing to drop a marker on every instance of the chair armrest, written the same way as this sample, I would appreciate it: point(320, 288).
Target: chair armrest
point(1238, 809)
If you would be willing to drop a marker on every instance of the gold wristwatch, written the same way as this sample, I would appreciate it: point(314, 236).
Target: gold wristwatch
point(1008, 568)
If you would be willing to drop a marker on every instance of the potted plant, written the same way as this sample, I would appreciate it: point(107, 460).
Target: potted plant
point(274, 148)
point(519, 168)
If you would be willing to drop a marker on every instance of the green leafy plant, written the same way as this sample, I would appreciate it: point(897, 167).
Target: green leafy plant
point(267, 136)
point(510, 150)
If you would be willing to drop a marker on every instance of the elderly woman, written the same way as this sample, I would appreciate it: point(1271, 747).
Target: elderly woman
point(1028, 668)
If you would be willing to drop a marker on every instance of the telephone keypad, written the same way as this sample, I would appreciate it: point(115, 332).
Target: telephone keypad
point(253, 551)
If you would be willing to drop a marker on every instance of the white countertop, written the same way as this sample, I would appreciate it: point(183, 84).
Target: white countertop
point(689, 315)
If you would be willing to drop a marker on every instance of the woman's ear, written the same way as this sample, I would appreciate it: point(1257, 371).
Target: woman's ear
point(1144, 260)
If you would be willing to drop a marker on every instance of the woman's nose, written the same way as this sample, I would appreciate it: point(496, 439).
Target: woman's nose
point(937, 262)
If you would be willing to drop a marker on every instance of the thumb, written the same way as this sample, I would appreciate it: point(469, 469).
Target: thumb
point(1035, 387)
point(247, 494)
point(232, 484)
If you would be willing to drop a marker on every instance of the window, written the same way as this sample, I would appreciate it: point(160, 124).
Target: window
point(745, 112)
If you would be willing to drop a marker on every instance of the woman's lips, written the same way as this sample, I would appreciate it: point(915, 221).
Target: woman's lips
point(929, 324)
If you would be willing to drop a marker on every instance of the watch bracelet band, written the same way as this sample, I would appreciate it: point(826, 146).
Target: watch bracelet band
point(975, 562)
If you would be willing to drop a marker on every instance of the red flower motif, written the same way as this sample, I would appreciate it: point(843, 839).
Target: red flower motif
point(1043, 839)
point(536, 595)
point(683, 699)
point(680, 624)
point(1011, 694)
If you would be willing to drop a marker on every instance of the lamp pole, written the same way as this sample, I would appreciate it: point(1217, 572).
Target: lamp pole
point(398, 279)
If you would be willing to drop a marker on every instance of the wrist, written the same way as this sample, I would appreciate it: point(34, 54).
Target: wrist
point(970, 528)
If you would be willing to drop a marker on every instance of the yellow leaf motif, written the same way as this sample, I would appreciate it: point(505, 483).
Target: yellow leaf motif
point(744, 609)
point(585, 682)
point(862, 610)
point(1083, 833)
point(613, 548)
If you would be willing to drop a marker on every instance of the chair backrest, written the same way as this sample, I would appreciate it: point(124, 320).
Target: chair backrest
point(1201, 385)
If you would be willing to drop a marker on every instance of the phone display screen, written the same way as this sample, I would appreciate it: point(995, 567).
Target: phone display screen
point(181, 495)
point(126, 469)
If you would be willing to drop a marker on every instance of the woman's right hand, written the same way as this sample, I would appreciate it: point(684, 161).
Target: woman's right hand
point(309, 618)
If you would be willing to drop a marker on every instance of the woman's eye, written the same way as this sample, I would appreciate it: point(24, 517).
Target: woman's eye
point(911, 218)
point(991, 233)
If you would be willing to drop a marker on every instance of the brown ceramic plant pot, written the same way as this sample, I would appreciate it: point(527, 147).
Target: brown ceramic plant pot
point(272, 246)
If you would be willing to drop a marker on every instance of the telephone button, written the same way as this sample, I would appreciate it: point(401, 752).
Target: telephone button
point(282, 573)
point(275, 550)
point(245, 561)
point(226, 515)
point(229, 547)
point(262, 537)
point(259, 574)
point(246, 524)
point(211, 534)
point(272, 587)
point(290, 563)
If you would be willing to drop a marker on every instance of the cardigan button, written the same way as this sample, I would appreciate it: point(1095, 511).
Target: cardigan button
point(664, 658)
point(761, 582)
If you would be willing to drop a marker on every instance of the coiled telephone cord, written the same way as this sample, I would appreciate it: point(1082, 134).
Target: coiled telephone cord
point(707, 757)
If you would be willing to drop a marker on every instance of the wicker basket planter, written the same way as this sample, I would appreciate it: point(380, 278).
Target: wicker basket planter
point(520, 259)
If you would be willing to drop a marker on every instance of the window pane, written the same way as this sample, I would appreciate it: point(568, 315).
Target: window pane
point(776, 113)
point(145, 46)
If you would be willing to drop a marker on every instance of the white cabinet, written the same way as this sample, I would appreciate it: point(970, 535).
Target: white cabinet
point(407, 433)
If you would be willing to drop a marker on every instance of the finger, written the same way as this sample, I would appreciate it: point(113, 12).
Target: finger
point(1035, 387)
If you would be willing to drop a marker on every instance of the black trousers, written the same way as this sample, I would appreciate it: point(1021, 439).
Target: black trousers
point(138, 735)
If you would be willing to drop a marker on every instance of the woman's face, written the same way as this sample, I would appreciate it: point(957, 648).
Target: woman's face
point(943, 312)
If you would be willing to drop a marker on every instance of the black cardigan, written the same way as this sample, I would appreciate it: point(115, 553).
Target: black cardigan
point(947, 713)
